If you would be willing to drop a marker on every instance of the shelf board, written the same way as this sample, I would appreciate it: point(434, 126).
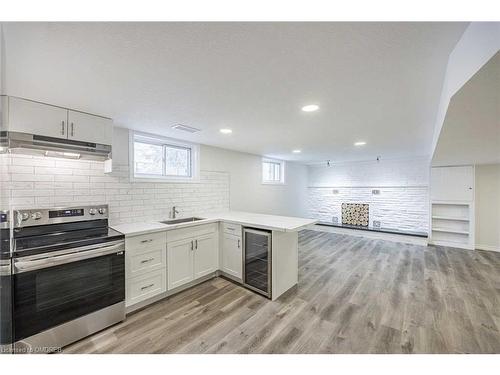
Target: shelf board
point(450, 218)
point(450, 231)
point(451, 203)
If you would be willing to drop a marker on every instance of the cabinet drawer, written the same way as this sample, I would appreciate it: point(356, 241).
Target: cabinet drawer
point(146, 286)
point(146, 241)
point(190, 232)
point(232, 229)
point(145, 261)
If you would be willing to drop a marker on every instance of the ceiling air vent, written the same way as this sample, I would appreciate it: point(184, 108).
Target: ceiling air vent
point(186, 128)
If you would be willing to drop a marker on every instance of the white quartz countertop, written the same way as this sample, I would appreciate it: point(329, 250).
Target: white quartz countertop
point(249, 219)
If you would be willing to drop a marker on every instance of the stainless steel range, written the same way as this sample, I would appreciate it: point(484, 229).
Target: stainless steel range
point(68, 276)
point(5, 285)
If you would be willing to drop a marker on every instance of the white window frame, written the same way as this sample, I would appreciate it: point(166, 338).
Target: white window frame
point(157, 139)
point(282, 171)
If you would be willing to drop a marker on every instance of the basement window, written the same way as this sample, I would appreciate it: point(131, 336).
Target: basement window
point(155, 157)
point(273, 171)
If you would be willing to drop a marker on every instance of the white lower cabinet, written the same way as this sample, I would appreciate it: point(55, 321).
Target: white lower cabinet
point(232, 255)
point(145, 267)
point(205, 255)
point(192, 254)
point(180, 262)
point(161, 261)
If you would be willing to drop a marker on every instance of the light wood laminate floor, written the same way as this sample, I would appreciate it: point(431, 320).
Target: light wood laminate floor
point(355, 295)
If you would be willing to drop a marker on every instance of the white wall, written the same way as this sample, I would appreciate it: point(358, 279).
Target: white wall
point(480, 41)
point(247, 193)
point(2, 60)
point(488, 207)
point(403, 202)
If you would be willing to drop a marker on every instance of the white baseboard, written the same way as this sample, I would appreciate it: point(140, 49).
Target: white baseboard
point(487, 247)
point(413, 240)
point(456, 245)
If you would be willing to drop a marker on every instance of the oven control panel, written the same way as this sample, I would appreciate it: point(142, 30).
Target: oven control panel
point(25, 218)
point(66, 213)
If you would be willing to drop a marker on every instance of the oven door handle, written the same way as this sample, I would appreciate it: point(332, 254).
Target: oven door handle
point(31, 265)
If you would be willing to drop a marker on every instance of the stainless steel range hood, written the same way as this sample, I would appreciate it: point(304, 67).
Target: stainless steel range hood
point(22, 143)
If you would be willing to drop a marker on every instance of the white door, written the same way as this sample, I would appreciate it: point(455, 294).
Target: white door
point(180, 262)
point(89, 128)
point(26, 116)
point(232, 256)
point(205, 255)
point(452, 183)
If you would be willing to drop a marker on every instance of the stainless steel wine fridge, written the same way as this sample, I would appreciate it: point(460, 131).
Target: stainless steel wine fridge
point(257, 255)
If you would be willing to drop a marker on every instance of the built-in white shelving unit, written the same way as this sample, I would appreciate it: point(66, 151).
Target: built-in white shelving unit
point(452, 207)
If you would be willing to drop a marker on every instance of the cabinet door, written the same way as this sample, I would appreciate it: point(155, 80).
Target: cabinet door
point(30, 117)
point(180, 262)
point(232, 255)
point(452, 183)
point(89, 128)
point(205, 255)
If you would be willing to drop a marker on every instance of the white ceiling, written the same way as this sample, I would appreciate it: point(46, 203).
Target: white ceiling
point(375, 82)
point(471, 129)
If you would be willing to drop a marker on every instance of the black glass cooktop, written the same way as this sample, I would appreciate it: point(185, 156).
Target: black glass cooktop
point(55, 237)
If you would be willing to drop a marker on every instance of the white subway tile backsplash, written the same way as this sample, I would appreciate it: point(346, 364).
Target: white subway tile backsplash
point(42, 182)
point(72, 178)
point(73, 164)
point(21, 169)
point(31, 177)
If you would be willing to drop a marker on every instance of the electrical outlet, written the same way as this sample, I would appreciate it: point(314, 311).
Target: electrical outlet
point(335, 220)
point(376, 224)
point(375, 191)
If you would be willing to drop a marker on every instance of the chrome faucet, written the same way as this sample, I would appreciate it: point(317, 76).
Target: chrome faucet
point(174, 212)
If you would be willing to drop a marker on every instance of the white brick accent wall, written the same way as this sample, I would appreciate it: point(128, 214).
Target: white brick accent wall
point(403, 202)
point(37, 182)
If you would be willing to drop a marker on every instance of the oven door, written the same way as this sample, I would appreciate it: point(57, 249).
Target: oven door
point(54, 290)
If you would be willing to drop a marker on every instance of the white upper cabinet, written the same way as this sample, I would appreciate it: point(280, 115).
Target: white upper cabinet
point(452, 184)
point(26, 116)
point(89, 128)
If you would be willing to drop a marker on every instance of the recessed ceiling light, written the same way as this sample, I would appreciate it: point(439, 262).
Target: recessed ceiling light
point(226, 131)
point(359, 143)
point(310, 108)
point(297, 151)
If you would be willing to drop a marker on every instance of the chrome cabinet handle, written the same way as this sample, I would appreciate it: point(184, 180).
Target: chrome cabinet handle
point(196, 241)
point(192, 245)
point(72, 129)
point(147, 286)
point(238, 244)
point(147, 260)
point(144, 241)
point(62, 127)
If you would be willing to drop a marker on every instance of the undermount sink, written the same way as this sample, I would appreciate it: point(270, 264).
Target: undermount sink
point(183, 220)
